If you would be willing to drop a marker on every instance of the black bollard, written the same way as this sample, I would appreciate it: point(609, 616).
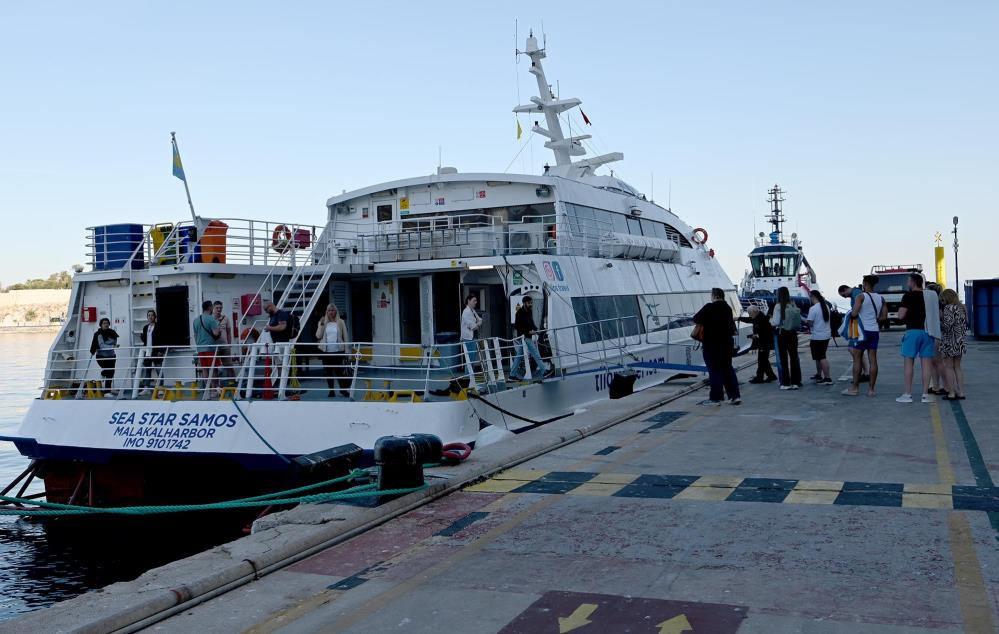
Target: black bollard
point(401, 458)
point(622, 384)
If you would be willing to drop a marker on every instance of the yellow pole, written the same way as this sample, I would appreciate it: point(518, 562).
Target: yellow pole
point(941, 261)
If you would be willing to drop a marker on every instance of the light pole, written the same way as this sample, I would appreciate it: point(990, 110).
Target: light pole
point(957, 276)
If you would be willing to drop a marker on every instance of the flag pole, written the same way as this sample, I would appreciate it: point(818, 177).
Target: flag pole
point(187, 190)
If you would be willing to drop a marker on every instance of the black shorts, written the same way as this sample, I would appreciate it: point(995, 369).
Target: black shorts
point(818, 349)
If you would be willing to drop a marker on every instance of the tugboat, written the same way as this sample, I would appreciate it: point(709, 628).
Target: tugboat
point(613, 277)
point(776, 262)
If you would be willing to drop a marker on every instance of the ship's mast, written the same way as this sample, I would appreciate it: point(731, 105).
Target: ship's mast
point(775, 196)
point(551, 107)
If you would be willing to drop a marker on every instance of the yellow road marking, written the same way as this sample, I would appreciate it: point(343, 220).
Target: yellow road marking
point(818, 485)
point(596, 488)
point(293, 613)
point(614, 478)
point(929, 489)
point(718, 481)
point(973, 597)
point(811, 497)
point(710, 494)
point(524, 475)
point(927, 501)
point(944, 469)
point(495, 486)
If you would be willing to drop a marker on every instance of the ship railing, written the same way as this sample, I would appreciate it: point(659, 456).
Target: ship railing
point(600, 237)
point(451, 236)
point(369, 371)
point(234, 241)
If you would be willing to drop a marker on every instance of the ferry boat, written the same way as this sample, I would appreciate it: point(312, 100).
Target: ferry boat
point(614, 279)
point(776, 261)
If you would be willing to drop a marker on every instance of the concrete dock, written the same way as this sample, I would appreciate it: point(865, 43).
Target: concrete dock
point(803, 511)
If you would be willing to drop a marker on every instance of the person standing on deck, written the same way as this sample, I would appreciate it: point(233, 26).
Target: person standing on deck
point(717, 326)
point(763, 339)
point(225, 337)
point(102, 347)
point(152, 364)
point(279, 324)
point(470, 324)
point(206, 336)
point(921, 313)
point(332, 335)
point(524, 325)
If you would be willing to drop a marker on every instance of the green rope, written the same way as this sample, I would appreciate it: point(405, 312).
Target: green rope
point(279, 498)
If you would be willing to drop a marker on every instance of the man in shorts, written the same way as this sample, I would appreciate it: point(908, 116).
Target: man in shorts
point(916, 342)
point(206, 336)
point(868, 307)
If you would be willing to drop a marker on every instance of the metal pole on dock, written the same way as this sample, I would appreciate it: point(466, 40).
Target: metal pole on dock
point(957, 275)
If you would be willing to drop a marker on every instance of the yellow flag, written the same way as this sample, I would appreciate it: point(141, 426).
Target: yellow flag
point(520, 131)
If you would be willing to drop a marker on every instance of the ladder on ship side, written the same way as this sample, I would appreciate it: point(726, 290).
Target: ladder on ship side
point(300, 297)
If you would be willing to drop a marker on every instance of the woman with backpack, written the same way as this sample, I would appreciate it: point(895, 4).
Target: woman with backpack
point(819, 322)
point(786, 320)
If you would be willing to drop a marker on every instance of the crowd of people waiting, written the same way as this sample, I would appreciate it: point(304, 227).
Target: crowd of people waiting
point(935, 326)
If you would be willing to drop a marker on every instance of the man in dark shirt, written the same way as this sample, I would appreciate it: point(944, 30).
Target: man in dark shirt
point(718, 345)
point(279, 324)
point(916, 342)
point(763, 340)
point(524, 325)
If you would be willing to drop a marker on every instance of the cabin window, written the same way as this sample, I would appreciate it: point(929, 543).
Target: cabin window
point(383, 213)
point(607, 317)
point(634, 226)
point(620, 223)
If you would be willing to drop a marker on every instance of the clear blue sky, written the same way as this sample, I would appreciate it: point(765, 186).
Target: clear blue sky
point(878, 118)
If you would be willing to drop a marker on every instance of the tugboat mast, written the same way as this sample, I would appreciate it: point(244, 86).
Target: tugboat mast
point(775, 196)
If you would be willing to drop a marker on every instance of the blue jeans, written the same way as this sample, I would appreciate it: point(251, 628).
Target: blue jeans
point(518, 359)
point(721, 374)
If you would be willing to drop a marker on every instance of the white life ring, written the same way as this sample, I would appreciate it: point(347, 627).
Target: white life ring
point(700, 236)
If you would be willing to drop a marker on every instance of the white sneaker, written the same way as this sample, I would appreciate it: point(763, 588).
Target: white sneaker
point(788, 387)
point(905, 398)
point(144, 391)
point(110, 395)
point(927, 398)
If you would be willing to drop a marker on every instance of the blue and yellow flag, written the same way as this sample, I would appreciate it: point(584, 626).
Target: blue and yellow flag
point(178, 167)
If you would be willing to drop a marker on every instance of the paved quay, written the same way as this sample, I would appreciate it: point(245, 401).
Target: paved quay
point(800, 511)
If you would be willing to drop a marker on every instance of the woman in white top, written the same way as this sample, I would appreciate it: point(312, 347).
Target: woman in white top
point(332, 337)
point(818, 322)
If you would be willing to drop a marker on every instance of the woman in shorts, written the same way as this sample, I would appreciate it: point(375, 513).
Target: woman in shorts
point(818, 322)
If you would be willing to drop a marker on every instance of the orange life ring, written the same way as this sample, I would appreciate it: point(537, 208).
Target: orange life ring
point(246, 334)
point(281, 239)
point(702, 232)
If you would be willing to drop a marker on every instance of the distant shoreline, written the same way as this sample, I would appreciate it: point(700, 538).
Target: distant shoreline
point(18, 330)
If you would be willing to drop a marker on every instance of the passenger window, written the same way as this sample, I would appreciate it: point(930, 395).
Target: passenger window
point(620, 223)
point(634, 226)
point(383, 213)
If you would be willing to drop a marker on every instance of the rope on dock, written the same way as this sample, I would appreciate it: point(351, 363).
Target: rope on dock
point(277, 498)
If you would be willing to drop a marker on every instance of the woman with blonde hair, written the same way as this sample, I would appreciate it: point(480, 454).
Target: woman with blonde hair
point(332, 337)
point(953, 326)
